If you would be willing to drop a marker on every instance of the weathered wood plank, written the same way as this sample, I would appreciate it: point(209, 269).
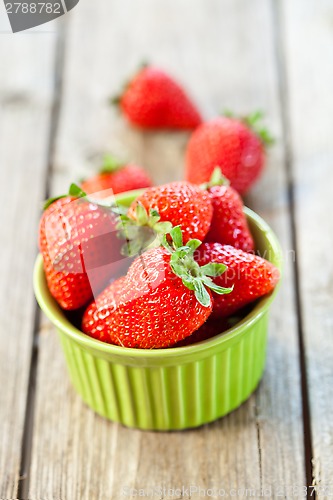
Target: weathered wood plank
point(225, 56)
point(26, 89)
point(308, 47)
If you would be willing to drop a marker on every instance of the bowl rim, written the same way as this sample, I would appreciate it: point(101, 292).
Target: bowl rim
point(53, 311)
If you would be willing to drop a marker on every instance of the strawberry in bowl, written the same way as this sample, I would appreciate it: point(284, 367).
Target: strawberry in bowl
point(115, 177)
point(164, 297)
point(80, 248)
point(153, 351)
point(229, 225)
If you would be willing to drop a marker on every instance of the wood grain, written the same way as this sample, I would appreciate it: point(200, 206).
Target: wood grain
point(309, 30)
point(26, 92)
point(226, 58)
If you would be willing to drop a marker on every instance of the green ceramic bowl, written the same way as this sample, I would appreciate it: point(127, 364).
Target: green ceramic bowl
point(175, 388)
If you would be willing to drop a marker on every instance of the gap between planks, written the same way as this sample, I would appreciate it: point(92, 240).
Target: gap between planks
point(282, 78)
point(26, 447)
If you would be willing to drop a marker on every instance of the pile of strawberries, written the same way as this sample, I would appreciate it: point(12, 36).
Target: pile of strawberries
point(177, 265)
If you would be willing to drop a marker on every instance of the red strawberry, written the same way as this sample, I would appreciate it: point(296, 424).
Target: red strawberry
point(229, 225)
point(237, 146)
point(179, 203)
point(152, 99)
point(209, 329)
point(116, 177)
point(250, 275)
point(162, 299)
point(80, 249)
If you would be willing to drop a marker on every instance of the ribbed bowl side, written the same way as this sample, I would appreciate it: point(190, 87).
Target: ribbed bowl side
point(170, 397)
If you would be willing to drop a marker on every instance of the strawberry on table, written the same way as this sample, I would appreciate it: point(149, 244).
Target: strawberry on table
point(153, 100)
point(116, 177)
point(177, 203)
point(251, 276)
point(229, 225)
point(164, 297)
point(237, 146)
point(80, 248)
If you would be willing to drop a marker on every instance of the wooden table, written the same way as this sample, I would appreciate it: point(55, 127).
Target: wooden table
point(54, 122)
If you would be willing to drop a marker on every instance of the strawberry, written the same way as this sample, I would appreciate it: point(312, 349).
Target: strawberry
point(164, 297)
point(153, 100)
point(80, 250)
point(116, 177)
point(236, 146)
point(209, 329)
point(250, 275)
point(177, 203)
point(229, 224)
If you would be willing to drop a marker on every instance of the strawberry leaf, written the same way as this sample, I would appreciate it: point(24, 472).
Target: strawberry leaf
point(228, 113)
point(111, 164)
point(253, 121)
point(178, 269)
point(193, 276)
point(141, 214)
point(75, 190)
point(193, 244)
point(131, 248)
point(146, 229)
point(217, 179)
point(201, 294)
point(163, 227)
point(166, 244)
point(49, 201)
point(220, 290)
point(188, 282)
point(177, 236)
point(154, 217)
point(254, 117)
point(213, 269)
point(265, 136)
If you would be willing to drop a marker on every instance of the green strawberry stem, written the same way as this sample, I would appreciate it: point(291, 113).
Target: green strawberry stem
point(115, 100)
point(193, 276)
point(217, 179)
point(111, 164)
point(146, 231)
point(77, 192)
point(74, 190)
point(253, 121)
point(49, 201)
